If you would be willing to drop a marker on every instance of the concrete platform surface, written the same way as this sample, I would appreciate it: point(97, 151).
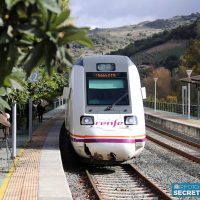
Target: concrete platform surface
point(175, 117)
point(37, 172)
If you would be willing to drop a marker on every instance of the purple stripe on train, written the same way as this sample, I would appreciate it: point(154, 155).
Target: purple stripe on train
point(106, 140)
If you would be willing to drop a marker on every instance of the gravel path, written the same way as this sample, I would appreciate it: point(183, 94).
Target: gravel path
point(165, 167)
point(77, 179)
point(79, 185)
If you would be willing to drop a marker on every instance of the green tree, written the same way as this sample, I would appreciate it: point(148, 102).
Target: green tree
point(191, 58)
point(47, 87)
point(35, 32)
point(163, 83)
point(171, 62)
point(64, 4)
point(14, 84)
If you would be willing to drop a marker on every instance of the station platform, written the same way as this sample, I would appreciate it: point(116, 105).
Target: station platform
point(37, 171)
point(174, 121)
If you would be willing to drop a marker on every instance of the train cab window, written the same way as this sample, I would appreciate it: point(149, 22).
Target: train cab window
point(107, 91)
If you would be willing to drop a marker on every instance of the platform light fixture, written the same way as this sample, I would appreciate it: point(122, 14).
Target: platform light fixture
point(155, 81)
point(189, 72)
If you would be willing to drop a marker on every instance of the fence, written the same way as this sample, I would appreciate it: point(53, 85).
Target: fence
point(58, 102)
point(172, 107)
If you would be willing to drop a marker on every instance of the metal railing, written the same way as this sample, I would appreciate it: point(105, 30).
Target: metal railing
point(58, 102)
point(172, 107)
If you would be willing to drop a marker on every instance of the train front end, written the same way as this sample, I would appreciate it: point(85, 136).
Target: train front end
point(106, 115)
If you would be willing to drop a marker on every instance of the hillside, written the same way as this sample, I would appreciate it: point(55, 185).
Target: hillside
point(161, 48)
point(109, 40)
point(174, 22)
point(160, 53)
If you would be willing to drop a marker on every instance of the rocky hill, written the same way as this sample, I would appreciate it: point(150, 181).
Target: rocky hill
point(162, 48)
point(174, 22)
point(109, 40)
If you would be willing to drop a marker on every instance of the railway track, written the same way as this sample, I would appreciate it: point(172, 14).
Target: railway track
point(123, 182)
point(181, 146)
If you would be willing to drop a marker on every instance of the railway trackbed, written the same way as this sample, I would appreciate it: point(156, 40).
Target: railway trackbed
point(123, 182)
point(183, 147)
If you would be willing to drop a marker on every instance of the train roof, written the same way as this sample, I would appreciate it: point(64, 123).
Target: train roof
point(118, 59)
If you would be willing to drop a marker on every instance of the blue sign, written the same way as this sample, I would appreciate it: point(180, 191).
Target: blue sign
point(34, 77)
point(186, 189)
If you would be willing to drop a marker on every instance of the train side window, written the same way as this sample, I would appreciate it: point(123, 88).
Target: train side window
point(66, 93)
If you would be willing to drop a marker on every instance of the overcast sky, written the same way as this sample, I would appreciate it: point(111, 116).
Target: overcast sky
point(114, 13)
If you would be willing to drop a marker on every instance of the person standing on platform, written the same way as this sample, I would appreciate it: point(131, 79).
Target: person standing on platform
point(40, 111)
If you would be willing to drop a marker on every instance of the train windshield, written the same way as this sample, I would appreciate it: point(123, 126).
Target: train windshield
point(105, 89)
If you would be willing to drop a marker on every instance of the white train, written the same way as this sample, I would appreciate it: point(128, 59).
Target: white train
point(104, 111)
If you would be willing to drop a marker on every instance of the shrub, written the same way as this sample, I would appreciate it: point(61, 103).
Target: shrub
point(171, 99)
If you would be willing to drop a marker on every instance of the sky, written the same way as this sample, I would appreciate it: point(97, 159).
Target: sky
point(115, 13)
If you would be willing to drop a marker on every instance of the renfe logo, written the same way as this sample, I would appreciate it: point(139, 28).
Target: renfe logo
point(109, 123)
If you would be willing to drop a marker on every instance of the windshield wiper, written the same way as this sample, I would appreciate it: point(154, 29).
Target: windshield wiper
point(115, 102)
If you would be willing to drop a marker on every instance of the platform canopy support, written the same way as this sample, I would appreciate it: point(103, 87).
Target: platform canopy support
point(194, 80)
point(198, 104)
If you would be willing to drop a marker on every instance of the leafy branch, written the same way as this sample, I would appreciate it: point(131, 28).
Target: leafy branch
point(34, 33)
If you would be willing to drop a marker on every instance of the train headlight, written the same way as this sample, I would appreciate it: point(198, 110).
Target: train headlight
point(130, 120)
point(87, 120)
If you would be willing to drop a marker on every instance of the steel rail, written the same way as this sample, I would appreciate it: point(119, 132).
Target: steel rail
point(178, 151)
point(147, 188)
point(153, 186)
point(165, 132)
point(94, 185)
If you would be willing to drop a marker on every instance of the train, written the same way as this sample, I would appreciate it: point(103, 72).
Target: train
point(104, 118)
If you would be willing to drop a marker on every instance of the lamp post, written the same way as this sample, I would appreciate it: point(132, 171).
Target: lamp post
point(33, 78)
point(189, 71)
point(14, 129)
point(155, 80)
point(198, 103)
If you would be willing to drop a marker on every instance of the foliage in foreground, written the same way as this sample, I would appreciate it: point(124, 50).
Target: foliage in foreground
point(34, 33)
point(46, 87)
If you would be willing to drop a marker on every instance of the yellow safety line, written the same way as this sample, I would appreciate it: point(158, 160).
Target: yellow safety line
point(9, 174)
point(12, 169)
